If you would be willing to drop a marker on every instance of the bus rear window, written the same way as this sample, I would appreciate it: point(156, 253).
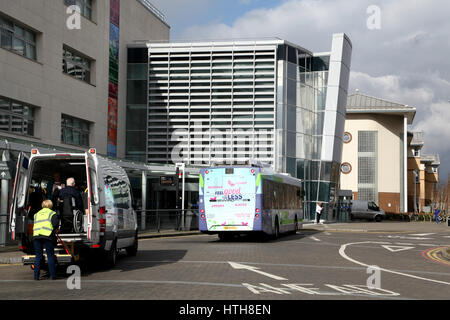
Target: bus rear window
point(229, 171)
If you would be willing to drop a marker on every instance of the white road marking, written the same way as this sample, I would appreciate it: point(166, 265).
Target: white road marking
point(396, 248)
point(422, 234)
point(404, 244)
point(315, 239)
point(407, 238)
point(344, 255)
point(255, 269)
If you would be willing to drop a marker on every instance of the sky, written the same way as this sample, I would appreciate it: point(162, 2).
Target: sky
point(401, 48)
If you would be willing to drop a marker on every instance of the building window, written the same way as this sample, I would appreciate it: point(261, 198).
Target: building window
point(84, 5)
point(435, 169)
point(368, 165)
point(74, 131)
point(347, 137)
point(416, 152)
point(17, 38)
point(16, 117)
point(346, 168)
point(76, 66)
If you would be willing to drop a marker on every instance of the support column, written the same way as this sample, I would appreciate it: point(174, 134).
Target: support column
point(144, 199)
point(405, 164)
point(4, 204)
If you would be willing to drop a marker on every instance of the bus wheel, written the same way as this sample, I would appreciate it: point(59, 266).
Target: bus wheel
point(223, 236)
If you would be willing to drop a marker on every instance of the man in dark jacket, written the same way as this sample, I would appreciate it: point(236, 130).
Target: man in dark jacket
point(45, 225)
point(70, 191)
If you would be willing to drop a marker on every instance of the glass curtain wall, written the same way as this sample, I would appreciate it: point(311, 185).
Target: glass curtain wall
point(136, 127)
point(301, 97)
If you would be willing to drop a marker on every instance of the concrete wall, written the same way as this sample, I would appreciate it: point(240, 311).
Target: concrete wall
point(390, 131)
point(42, 83)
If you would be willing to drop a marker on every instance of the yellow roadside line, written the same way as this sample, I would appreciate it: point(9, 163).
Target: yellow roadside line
point(434, 255)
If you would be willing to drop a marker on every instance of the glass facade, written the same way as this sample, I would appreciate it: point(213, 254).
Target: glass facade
point(84, 5)
point(136, 125)
point(302, 89)
point(16, 38)
point(75, 65)
point(16, 117)
point(75, 131)
point(211, 103)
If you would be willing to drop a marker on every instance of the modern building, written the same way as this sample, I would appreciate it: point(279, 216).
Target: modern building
point(374, 161)
point(423, 174)
point(64, 74)
point(206, 103)
point(64, 65)
point(380, 155)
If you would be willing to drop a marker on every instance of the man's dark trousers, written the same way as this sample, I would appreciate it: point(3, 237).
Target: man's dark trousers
point(39, 245)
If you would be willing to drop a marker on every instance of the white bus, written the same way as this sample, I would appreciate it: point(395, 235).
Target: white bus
point(108, 222)
point(246, 199)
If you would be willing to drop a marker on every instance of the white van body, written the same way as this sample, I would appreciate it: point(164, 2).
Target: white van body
point(108, 223)
point(364, 209)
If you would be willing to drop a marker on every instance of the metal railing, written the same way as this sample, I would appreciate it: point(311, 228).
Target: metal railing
point(167, 219)
point(153, 9)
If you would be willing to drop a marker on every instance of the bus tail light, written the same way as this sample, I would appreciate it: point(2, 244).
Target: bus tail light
point(257, 210)
point(253, 170)
point(202, 216)
point(257, 216)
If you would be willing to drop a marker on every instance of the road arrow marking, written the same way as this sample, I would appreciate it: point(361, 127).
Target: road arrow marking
point(397, 248)
point(254, 269)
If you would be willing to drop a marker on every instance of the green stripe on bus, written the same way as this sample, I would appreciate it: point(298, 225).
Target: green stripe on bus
point(258, 179)
point(200, 181)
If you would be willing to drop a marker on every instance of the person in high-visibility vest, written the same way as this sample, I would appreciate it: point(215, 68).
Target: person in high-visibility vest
point(45, 224)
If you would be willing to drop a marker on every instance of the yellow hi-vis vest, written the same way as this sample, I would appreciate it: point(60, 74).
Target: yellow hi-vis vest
point(43, 223)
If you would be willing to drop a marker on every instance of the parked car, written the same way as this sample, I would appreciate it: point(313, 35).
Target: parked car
point(364, 209)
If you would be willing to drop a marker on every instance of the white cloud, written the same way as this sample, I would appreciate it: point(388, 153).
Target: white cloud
point(405, 61)
point(390, 87)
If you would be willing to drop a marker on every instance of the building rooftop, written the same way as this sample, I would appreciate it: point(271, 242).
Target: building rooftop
point(417, 138)
point(432, 159)
point(362, 103)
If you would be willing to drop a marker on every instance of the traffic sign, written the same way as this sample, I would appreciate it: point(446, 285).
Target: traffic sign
point(5, 174)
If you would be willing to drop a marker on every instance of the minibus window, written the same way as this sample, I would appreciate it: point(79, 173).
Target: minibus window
point(93, 183)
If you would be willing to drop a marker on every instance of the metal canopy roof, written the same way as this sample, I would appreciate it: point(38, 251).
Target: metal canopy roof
point(361, 103)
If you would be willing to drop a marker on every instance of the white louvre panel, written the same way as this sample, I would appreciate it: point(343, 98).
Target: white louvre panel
point(217, 104)
point(367, 165)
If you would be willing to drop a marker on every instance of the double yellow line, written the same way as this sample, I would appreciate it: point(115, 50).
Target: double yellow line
point(434, 254)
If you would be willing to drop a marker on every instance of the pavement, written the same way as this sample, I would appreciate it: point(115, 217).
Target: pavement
point(12, 254)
